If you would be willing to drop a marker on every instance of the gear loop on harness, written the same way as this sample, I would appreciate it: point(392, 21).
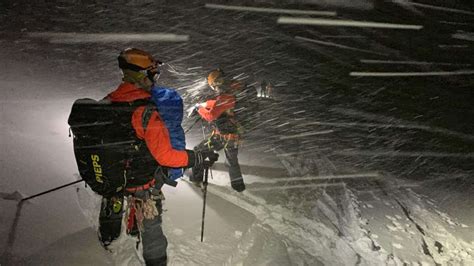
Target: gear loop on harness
point(138, 210)
point(227, 137)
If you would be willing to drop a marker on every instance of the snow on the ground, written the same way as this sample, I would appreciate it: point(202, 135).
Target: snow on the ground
point(348, 224)
point(414, 230)
point(345, 226)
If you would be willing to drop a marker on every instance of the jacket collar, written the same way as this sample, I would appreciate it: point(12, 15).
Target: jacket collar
point(127, 92)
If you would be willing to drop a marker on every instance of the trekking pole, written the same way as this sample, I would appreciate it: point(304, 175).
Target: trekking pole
point(51, 190)
point(202, 128)
point(206, 174)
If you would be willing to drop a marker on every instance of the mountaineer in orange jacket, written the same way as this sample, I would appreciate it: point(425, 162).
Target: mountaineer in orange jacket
point(219, 112)
point(140, 74)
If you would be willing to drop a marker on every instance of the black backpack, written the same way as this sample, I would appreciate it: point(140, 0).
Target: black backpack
point(109, 156)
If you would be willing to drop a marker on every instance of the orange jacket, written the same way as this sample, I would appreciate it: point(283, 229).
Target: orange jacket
point(215, 107)
point(156, 135)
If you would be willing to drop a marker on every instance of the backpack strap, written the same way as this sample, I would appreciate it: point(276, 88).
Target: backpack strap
point(149, 108)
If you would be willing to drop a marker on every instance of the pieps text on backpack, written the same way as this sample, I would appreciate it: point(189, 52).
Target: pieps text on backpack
point(97, 168)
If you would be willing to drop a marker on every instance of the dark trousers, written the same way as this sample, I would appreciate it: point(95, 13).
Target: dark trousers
point(154, 242)
point(230, 146)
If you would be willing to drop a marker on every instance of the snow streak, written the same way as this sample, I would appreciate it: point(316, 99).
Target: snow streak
point(272, 10)
point(337, 45)
point(71, 38)
point(410, 74)
point(345, 23)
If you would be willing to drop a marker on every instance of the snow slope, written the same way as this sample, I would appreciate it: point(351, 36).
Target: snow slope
point(342, 224)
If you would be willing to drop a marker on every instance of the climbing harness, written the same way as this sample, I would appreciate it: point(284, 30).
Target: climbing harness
point(150, 184)
point(234, 138)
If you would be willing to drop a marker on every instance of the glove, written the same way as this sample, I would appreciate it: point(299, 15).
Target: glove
point(205, 158)
point(200, 160)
